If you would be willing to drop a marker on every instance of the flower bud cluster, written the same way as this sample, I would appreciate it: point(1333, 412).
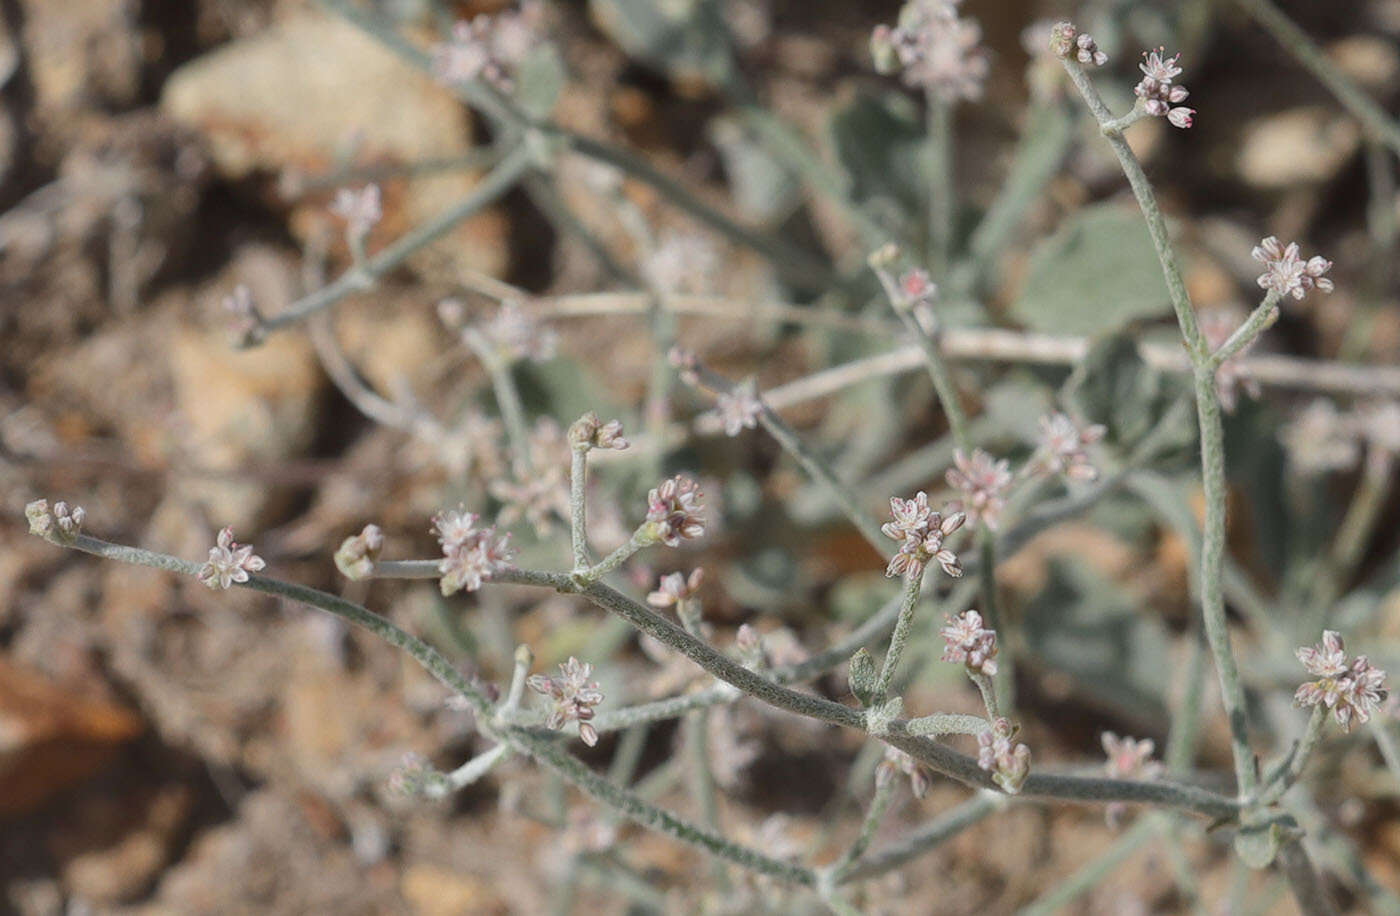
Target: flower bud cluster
point(1159, 92)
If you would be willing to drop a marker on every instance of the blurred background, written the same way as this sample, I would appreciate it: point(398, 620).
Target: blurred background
point(164, 748)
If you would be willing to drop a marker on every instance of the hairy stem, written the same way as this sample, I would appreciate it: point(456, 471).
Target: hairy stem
point(900, 637)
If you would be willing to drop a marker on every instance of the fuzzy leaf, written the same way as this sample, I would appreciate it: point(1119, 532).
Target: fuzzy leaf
point(863, 676)
point(1098, 272)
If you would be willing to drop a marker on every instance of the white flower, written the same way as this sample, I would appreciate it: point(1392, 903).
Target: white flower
point(229, 562)
point(516, 334)
point(1008, 760)
point(488, 47)
point(1158, 91)
point(682, 262)
point(739, 408)
point(357, 555)
point(360, 210)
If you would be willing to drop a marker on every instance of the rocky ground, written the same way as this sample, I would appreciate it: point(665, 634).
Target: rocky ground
point(165, 749)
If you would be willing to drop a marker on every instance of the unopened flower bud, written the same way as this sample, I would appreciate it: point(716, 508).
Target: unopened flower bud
point(357, 555)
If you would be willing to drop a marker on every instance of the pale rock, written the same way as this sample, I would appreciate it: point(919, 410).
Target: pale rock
point(298, 96)
point(1301, 146)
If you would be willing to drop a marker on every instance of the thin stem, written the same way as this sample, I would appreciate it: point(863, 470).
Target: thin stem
point(578, 510)
point(613, 560)
point(941, 202)
point(946, 723)
point(1297, 761)
point(912, 586)
point(991, 610)
point(1297, 43)
point(1389, 748)
point(507, 396)
point(965, 345)
point(1349, 544)
point(702, 780)
point(1260, 320)
point(815, 466)
point(989, 695)
point(542, 749)
point(1303, 880)
point(1095, 871)
point(938, 757)
point(1212, 440)
point(1043, 145)
point(469, 772)
point(879, 804)
point(495, 184)
point(937, 831)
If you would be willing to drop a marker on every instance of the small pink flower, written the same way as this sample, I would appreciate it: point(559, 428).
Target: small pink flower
point(675, 511)
point(896, 762)
point(937, 51)
point(1286, 273)
point(1008, 760)
point(1181, 117)
point(1128, 759)
point(1159, 93)
point(588, 432)
point(682, 262)
point(1064, 447)
point(470, 556)
point(675, 588)
point(516, 334)
point(489, 47)
point(229, 562)
point(967, 641)
point(573, 695)
point(922, 531)
point(1067, 41)
point(982, 482)
point(915, 286)
point(1353, 689)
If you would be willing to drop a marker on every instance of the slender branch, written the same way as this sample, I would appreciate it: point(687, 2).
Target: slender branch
point(941, 200)
point(898, 639)
point(1212, 438)
point(496, 183)
point(1288, 773)
point(507, 396)
point(1303, 880)
point(938, 757)
point(1095, 871)
point(543, 749)
point(879, 804)
point(946, 723)
point(937, 831)
point(1304, 50)
point(1260, 320)
point(578, 507)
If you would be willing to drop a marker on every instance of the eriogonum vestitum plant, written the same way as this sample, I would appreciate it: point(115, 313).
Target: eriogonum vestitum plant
point(514, 464)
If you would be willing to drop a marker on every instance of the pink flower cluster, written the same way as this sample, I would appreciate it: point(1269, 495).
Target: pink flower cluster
point(982, 481)
point(937, 51)
point(675, 511)
point(967, 641)
point(1064, 447)
point(921, 531)
point(1067, 41)
point(573, 695)
point(489, 47)
point(470, 555)
point(1286, 273)
point(1158, 91)
point(896, 762)
point(1353, 689)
